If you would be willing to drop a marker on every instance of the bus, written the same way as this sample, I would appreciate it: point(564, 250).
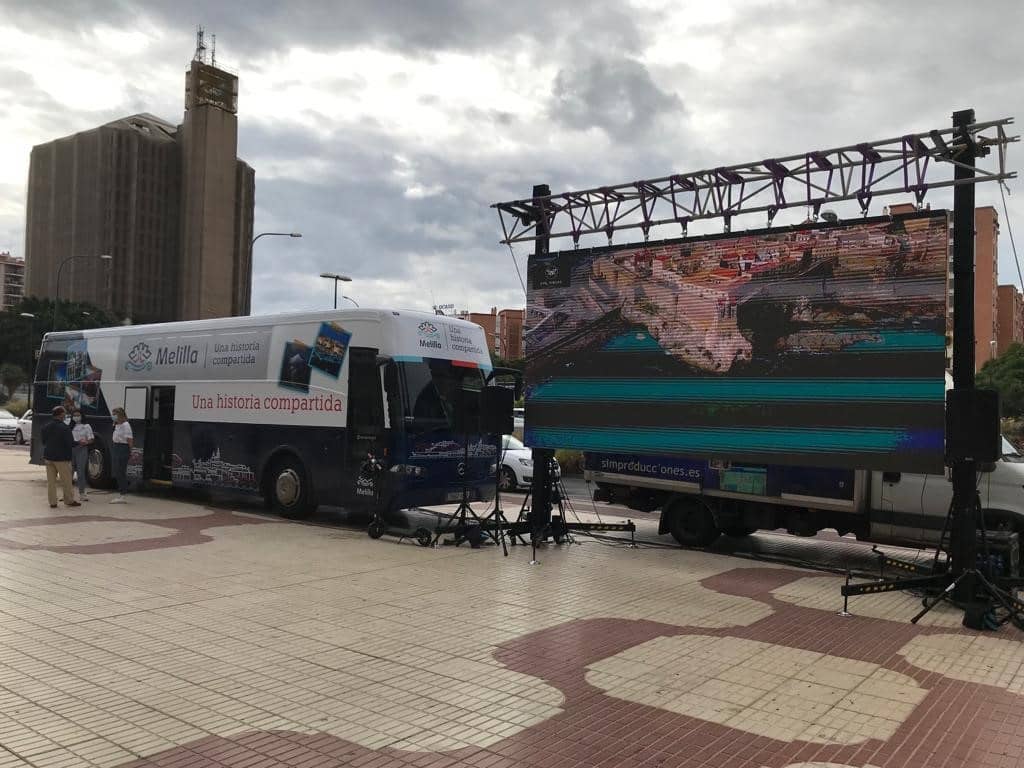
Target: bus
point(354, 407)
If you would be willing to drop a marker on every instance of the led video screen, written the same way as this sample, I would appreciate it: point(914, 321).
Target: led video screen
point(819, 345)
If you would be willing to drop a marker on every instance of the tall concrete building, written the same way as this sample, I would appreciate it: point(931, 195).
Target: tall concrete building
point(986, 284)
point(12, 281)
point(172, 205)
point(504, 330)
point(986, 280)
point(1011, 318)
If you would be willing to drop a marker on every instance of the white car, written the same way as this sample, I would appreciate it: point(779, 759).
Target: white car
point(517, 464)
point(519, 418)
point(8, 425)
point(24, 433)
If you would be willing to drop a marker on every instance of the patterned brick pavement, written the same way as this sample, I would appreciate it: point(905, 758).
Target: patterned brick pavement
point(163, 633)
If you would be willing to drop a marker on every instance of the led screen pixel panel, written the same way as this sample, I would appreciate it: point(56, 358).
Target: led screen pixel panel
point(822, 345)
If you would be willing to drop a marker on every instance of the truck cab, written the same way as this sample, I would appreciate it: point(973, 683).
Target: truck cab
point(910, 509)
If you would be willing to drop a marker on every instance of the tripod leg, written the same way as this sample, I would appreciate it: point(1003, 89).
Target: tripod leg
point(944, 595)
point(1012, 605)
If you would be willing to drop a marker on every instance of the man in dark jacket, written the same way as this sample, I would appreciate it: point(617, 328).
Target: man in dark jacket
point(57, 446)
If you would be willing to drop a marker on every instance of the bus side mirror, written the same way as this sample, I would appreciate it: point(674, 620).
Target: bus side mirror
point(515, 373)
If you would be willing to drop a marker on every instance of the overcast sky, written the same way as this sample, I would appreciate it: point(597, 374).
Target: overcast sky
point(384, 130)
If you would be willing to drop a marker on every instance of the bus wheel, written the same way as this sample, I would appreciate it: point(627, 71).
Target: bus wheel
point(97, 467)
point(290, 493)
point(692, 522)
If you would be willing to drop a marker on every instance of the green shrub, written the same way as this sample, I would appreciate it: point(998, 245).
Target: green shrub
point(570, 461)
point(17, 407)
point(1013, 430)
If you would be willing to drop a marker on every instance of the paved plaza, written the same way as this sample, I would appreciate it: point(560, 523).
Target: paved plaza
point(168, 632)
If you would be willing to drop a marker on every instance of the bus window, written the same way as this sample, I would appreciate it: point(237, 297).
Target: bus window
point(433, 392)
point(365, 399)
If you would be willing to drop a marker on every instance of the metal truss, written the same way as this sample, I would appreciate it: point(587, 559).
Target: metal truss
point(858, 172)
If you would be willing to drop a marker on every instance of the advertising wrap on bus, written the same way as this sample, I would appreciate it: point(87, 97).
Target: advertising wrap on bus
point(329, 389)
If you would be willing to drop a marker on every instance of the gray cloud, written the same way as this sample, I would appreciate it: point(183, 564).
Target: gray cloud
point(616, 95)
point(409, 26)
point(407, 218)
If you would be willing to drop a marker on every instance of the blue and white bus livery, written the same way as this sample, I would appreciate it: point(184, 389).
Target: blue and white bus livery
point(286, 406)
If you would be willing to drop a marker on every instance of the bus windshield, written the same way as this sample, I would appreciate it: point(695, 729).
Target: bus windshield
point(433, 393)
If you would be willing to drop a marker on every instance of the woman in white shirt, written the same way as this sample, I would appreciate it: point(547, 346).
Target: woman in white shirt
point(83, 437)
point(122, 448)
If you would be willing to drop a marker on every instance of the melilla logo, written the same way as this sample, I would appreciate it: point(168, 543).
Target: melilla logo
point(139, 358)
point(429, 335)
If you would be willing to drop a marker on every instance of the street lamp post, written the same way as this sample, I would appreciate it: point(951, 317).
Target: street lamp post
point(336, 277)
point(32, 359)
point(274, 234)
point(253, 243)
point(60, 269)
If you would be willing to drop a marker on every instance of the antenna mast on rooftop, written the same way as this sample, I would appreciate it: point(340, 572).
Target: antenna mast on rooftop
point(213, 50)
point(200, 54)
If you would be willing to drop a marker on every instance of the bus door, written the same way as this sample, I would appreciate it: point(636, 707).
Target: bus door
point(159, 455)
point(136, 407)
point(365, 432)
point(150, 411)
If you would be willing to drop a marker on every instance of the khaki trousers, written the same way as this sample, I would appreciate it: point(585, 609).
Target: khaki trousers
point(62, 470)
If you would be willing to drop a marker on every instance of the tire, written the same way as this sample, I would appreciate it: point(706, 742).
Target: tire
point(19, 438)
point(290, 490)
point(424, 537)
point(507, 479)
point(692, 522)
point(97, 469)
point(738, 531)
point(376, 529)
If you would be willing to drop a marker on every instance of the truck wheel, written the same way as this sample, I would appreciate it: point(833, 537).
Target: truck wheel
point(692, 522)
point(290, 490)
point(738, 531)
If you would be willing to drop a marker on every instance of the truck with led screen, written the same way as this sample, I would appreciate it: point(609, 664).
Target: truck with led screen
point(821, 345)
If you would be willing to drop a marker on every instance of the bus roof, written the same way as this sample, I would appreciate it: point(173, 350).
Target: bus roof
point(245, 321)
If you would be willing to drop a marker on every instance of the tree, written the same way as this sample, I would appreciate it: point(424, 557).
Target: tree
point(12, 377)
point(1006, 375)
point(20, 336)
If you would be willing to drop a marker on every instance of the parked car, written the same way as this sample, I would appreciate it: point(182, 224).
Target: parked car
point(8, 425)
point(517, 464)
point(24, 433)
point(518, 418)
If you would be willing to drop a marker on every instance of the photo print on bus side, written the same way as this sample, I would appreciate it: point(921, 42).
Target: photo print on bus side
point(295, 370)
point(329, 349)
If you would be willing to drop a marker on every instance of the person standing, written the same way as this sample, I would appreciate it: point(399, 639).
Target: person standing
point(57, 446)
point(83, 437)
point(122, 450)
